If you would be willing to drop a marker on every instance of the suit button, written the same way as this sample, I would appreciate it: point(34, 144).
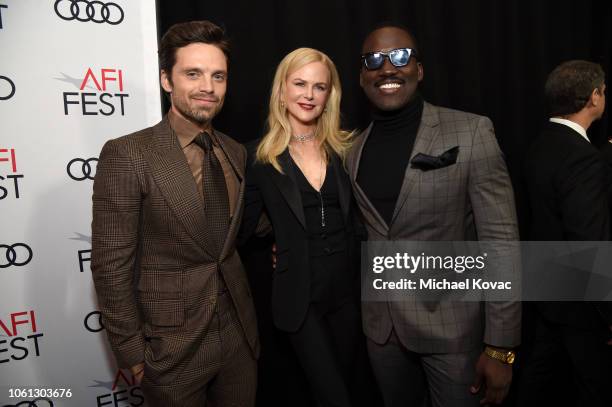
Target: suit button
point(327, 250)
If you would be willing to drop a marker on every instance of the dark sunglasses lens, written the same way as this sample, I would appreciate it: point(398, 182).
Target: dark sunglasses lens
point(374, 60)
point(399, 57)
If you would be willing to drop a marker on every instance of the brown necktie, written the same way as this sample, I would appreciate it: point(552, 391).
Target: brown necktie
point(216, 201)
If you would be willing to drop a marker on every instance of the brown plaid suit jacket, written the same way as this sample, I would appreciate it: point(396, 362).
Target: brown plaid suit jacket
point(152, 271)
point(446, 204)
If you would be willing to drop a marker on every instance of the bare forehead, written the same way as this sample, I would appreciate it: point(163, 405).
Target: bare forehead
point(314, 71)
point(386, 38)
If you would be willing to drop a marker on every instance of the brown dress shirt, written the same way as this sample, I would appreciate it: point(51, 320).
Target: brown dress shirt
point(186, 133)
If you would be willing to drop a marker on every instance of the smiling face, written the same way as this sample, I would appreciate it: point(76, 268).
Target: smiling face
point(389, 87)
point(197, 82)
point(305, 94)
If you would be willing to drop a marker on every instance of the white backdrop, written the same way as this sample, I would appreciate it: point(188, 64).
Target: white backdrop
point(73, 74)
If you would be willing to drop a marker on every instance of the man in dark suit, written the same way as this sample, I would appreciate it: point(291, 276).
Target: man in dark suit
point(568, 184)
point(167, 205)
point(443, 179)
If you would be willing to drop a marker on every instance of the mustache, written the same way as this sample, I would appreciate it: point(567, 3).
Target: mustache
point(206, 96)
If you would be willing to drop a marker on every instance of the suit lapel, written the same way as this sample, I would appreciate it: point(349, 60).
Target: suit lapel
point(233, 157)
point(427, 132)
point(287, 185)
point(175, 181)
point(344, 186)
point(368, 209)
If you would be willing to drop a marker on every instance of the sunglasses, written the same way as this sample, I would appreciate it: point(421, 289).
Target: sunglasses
point(398, 57)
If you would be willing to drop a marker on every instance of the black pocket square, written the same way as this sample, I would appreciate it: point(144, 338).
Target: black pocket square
point(429, 162)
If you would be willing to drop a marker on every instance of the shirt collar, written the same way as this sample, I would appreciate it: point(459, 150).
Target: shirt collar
point(186, 131)
point(573, 125)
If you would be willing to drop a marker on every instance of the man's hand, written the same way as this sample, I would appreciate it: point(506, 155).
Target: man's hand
point(496, 378)
point(137, 372)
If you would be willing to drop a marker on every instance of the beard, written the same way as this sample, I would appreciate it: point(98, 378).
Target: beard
point(199, 114)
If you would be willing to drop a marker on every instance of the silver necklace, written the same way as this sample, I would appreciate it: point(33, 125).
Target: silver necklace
point(321, 195)
point(320, 191)
point(302, 138)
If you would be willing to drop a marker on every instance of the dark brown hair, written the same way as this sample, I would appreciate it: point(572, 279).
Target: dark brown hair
point(182, 34)
point(569, 86)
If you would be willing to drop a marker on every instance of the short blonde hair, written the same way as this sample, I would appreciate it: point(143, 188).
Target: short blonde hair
point(328, 131)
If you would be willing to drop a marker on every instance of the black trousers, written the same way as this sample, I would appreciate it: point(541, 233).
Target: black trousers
point(564, 365)
point(330, 347)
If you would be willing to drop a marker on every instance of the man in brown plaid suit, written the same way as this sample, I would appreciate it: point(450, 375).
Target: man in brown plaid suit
point(426, 173)
point(167, 205)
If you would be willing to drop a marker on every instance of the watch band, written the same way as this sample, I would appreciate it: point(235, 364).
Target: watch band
point(506, 357)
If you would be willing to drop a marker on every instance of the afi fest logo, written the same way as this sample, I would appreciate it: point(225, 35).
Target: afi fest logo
point(86, 11)
point(123, 389)
point(84, 255)
point(107, 98)
point(1, 7)
point(19, 336)
point(7, 88)
point(9, 175)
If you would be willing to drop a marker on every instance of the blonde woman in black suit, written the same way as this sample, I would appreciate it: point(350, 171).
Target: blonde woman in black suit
point(296, 176)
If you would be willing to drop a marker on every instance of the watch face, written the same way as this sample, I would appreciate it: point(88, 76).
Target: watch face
point(510, 358)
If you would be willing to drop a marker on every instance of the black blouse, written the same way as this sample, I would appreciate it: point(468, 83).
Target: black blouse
point(330, 282)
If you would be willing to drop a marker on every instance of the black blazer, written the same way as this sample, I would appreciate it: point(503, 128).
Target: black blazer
point(278, 194)
point(567, 182)
point(568, 185)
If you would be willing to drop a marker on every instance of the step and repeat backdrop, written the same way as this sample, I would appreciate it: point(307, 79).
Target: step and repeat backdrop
point(73, 74)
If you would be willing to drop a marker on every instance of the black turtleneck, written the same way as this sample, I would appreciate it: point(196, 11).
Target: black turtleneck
point(386, 154)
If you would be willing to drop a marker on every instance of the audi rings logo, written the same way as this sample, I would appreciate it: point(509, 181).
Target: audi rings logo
point(18, 254)
point(4, 95)
point(93, 322)
point(80, 169)
point(84, 10)
point(42, 402)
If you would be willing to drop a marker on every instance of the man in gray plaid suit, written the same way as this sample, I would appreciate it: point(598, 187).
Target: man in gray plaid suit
point(439, 353)
point(167, 205)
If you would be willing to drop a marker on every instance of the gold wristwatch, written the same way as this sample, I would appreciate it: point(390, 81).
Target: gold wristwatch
point(505, 356)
